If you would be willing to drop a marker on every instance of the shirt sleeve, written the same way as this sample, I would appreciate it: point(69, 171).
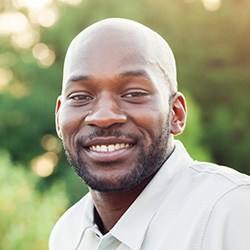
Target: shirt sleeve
point(228, 227)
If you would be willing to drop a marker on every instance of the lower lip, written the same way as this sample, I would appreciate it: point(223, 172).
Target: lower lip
point(110, 156)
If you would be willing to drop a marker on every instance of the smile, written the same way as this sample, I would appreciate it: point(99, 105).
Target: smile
point(109, 148)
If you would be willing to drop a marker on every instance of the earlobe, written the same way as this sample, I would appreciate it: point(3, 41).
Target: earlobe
point(179, 113)
point(58, 105)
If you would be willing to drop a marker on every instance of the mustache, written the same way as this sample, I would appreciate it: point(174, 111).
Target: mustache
point(107, 133)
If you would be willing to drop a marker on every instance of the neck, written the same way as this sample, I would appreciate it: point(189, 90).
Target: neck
point(110, 206)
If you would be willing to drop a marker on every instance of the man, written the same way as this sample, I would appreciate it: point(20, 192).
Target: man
point(117, 116)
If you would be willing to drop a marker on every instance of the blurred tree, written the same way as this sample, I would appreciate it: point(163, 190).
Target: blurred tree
point(26, 216)
point(192, 137)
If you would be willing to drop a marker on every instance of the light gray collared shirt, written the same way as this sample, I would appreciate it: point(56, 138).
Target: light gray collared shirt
point(188, 205)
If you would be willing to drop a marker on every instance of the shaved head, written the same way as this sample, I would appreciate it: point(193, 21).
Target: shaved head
point(111, 35)
point(120, 97)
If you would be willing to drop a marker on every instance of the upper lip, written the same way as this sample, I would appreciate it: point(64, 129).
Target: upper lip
point(108, 141)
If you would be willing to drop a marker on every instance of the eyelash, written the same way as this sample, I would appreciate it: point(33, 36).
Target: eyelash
point(135, 94)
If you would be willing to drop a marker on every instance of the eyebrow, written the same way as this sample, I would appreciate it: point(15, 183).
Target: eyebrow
point(136, 73)
point(77, 78)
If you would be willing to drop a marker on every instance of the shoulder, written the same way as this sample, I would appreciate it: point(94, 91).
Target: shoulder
point(221, 173)
point(204, 172)
point(228, 222)
point(229, 187)
point(228, 225)
point(68, 228)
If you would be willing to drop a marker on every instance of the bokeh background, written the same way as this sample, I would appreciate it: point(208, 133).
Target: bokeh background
point(211, 42)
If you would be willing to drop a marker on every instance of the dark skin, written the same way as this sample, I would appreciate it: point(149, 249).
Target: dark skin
point(108, 89)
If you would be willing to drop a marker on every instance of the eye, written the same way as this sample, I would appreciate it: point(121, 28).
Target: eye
point(80, 97)
point(135, 96)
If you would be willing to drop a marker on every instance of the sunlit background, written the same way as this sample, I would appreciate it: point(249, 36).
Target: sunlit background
point(210, 39)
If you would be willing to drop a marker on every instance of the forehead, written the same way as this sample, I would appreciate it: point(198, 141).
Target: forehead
point(111, 48)
point(107, 52)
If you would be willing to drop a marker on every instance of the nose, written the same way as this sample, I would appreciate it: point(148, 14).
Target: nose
point(106, 113)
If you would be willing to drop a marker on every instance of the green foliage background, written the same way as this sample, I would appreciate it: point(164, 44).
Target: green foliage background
point(213, 61)
point(26, 215)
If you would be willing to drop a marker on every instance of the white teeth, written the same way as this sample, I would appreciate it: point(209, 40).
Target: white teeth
point(104, 148)
point(109, 148)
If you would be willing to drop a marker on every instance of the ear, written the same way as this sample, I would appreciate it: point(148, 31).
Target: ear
point(57, 113)
point(179, 113)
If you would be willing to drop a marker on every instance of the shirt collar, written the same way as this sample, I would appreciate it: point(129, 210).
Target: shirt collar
point(87, 219)
point(137, 218)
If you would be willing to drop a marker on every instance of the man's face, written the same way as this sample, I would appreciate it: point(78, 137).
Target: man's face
point(114, 115)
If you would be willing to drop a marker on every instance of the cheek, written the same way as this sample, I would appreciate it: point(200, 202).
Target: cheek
point(69, 121)
point(151, 121)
